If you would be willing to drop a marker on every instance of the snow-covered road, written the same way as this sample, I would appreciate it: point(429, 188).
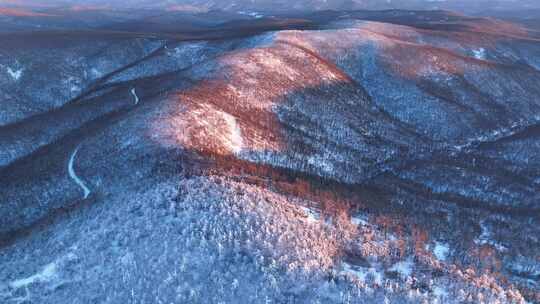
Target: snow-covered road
point(134, 94)
point(74, 176)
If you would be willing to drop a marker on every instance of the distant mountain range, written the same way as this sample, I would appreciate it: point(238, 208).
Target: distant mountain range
point(282, 5)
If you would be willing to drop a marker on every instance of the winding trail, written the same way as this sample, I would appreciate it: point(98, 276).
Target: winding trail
point(135, 96)
point(74, 176)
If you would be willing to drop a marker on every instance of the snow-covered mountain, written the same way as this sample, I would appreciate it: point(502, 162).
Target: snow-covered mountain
point(210, 156)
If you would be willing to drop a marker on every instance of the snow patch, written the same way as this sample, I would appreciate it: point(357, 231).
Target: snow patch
point(312, 215)
point(362, 272)
point(485, 238)
point(359, 221)
point(96, 73)
point(15, 74)
point(46, 274)
point(404, 268)
point(73, 84)
point(236, 140)
point(441, 251)
point(251, 14)
point(440, 292)
point(480, 53)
